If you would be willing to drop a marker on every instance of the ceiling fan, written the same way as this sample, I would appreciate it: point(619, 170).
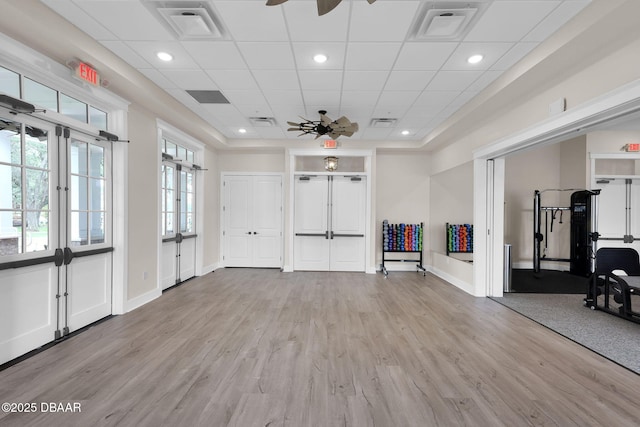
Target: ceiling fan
point(324, 6)
point(325, 126)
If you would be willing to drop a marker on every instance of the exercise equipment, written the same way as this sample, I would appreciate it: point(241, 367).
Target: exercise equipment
point(405, 238)
point(459, 238)
point(583, 238)
point(608, 288)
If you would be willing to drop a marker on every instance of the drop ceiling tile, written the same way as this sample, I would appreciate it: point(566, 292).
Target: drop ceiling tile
point(127, 20)
point(158, 78)
point(126, 53)
point(270, 132)
point(464, 97)
point(245, 97)
point(218, 55)
point(515, 54)
point(375, 133)
point(252, 20)
point(424, 55)
point(283, 97)
point(364, 80)
point(510, 21)
point(552, 22)
point(371, 56)
point(439, 98)
point(306, 26)
point(73, 13)
point(360, 98)
point(395, 97)
point(277, 79)
point(190, 79)
point(267, 56)
point(304, 53)
point(371, 22)
point(484, 80)
point(409, 80)
point(390, 111)
point(233, 79)
point(491, 53)
point(254, 110)
point(148, 50)
point(328, 80)
point(453, 80)
point(324, 99)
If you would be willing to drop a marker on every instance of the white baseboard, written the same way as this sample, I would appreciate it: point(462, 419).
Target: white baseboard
point(467, 287)
point(141, 300)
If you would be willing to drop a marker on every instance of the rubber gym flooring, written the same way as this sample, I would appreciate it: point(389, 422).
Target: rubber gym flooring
point(548, 282)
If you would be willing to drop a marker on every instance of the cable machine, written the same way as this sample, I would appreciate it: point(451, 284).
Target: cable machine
point(583, 211)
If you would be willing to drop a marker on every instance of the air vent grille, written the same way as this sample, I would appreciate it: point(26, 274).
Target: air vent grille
point(382, 122)
point(263, 121)
point(445, 21)
point(191, 21)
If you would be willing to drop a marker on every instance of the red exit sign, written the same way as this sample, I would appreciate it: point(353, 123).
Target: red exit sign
point(87, 73)
point(330, 143)
point(633, 147)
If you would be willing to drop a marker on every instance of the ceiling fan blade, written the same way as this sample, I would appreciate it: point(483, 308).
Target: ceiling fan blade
point(293, 129)
point(325, 120)
point(275, 2)
point(334, 135)
point(293, 124)
point(343, 122)
point(353, 127)
point(326, 6)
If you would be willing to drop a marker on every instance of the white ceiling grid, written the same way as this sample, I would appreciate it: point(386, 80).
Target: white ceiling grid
point(375, 69)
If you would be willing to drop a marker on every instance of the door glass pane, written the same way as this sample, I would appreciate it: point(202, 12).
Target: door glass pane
point(10, 232)
point(40, 95)
point(96, 161)
point(171, 149)
point(182, 153)
point(170, 199)
point(37, 231)
point(169, 181)
point(78, 158)
point(79, 195)
point(97, 227)
point(10, 187)
point(170, 223)
point(10, 141)
point(190, 156)
point(73, 108)
point(189, 227)
point(183, 222)
point(36, 154)
point(97, 118)
point(37, 189)
point(97, 195)
point(9, 82)
point(79, 225)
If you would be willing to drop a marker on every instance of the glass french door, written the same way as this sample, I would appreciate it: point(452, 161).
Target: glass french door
point(55, 233)
point(178, 223)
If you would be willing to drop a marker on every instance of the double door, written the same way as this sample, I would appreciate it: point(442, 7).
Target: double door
point(178, 224)
point(330, 223)
point(252, 214)
point(55, 233)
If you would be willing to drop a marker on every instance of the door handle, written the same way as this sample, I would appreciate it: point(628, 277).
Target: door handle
point(248, 232)
point(255, 232)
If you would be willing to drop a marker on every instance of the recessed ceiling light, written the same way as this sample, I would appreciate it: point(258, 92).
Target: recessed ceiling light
point(405, 132)
point(320, 58)
point(474, 59)
point(242, 130)
point(164, 56)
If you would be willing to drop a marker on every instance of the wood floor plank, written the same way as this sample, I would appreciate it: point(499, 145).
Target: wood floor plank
point(245, 347)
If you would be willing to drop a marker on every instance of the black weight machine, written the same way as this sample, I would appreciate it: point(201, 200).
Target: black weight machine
point(583, 211)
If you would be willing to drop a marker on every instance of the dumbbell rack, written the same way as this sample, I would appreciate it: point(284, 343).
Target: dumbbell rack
point(417, 260)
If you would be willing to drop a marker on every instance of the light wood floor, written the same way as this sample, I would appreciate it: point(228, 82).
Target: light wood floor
point(244, 347)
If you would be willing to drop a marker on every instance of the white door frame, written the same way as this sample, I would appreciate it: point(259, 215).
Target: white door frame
point(489, 196)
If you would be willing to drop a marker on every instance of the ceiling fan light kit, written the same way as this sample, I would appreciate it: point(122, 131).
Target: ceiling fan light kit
point(324, 6)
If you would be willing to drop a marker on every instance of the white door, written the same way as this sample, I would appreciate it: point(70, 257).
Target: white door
point(55, 233)
point(618, 205)
point(252, 215)
point(329, 223)
point(311, 223)
point(348, 214)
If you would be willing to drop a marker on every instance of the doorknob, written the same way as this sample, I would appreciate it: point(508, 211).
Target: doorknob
point(248, 232)
point(255, 232)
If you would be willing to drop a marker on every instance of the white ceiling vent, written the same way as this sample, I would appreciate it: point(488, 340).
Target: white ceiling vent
point(191, 21)
point(445, 21)
point(263, 122)
point(382, 122)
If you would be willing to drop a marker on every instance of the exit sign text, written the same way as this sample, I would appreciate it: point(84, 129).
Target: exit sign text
point(88, 74)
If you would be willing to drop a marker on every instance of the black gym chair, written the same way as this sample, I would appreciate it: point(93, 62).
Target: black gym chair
point(609, 285)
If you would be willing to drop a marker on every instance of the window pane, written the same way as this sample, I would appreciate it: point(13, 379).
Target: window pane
point(169, 181)
point(96, 161)
point(189, 207)
point(97, 227)
point(37, 189)
point(171, 149)
point(182, 153)
point(73, 108)
point(10, 187)
point(183, 222)
point(79, 193)
point(78, 158)
point(97, 195)
point(36, 154)
point(40, 95)
point(10, 223)
point(37, 231)
point(9, 83)
point(190, 156)
point(169, 223)
point(10, 141)
point(97, 118)
point(189, 223)
point(164, 221)
point(79, 222)
point(170, 198)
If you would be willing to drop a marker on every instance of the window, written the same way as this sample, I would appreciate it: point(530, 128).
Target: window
point(178, 152)
point(186, 201)
point(9, 82)
point(73, 108)
point(24, 188)
point(168, 200)
point(40, 95)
